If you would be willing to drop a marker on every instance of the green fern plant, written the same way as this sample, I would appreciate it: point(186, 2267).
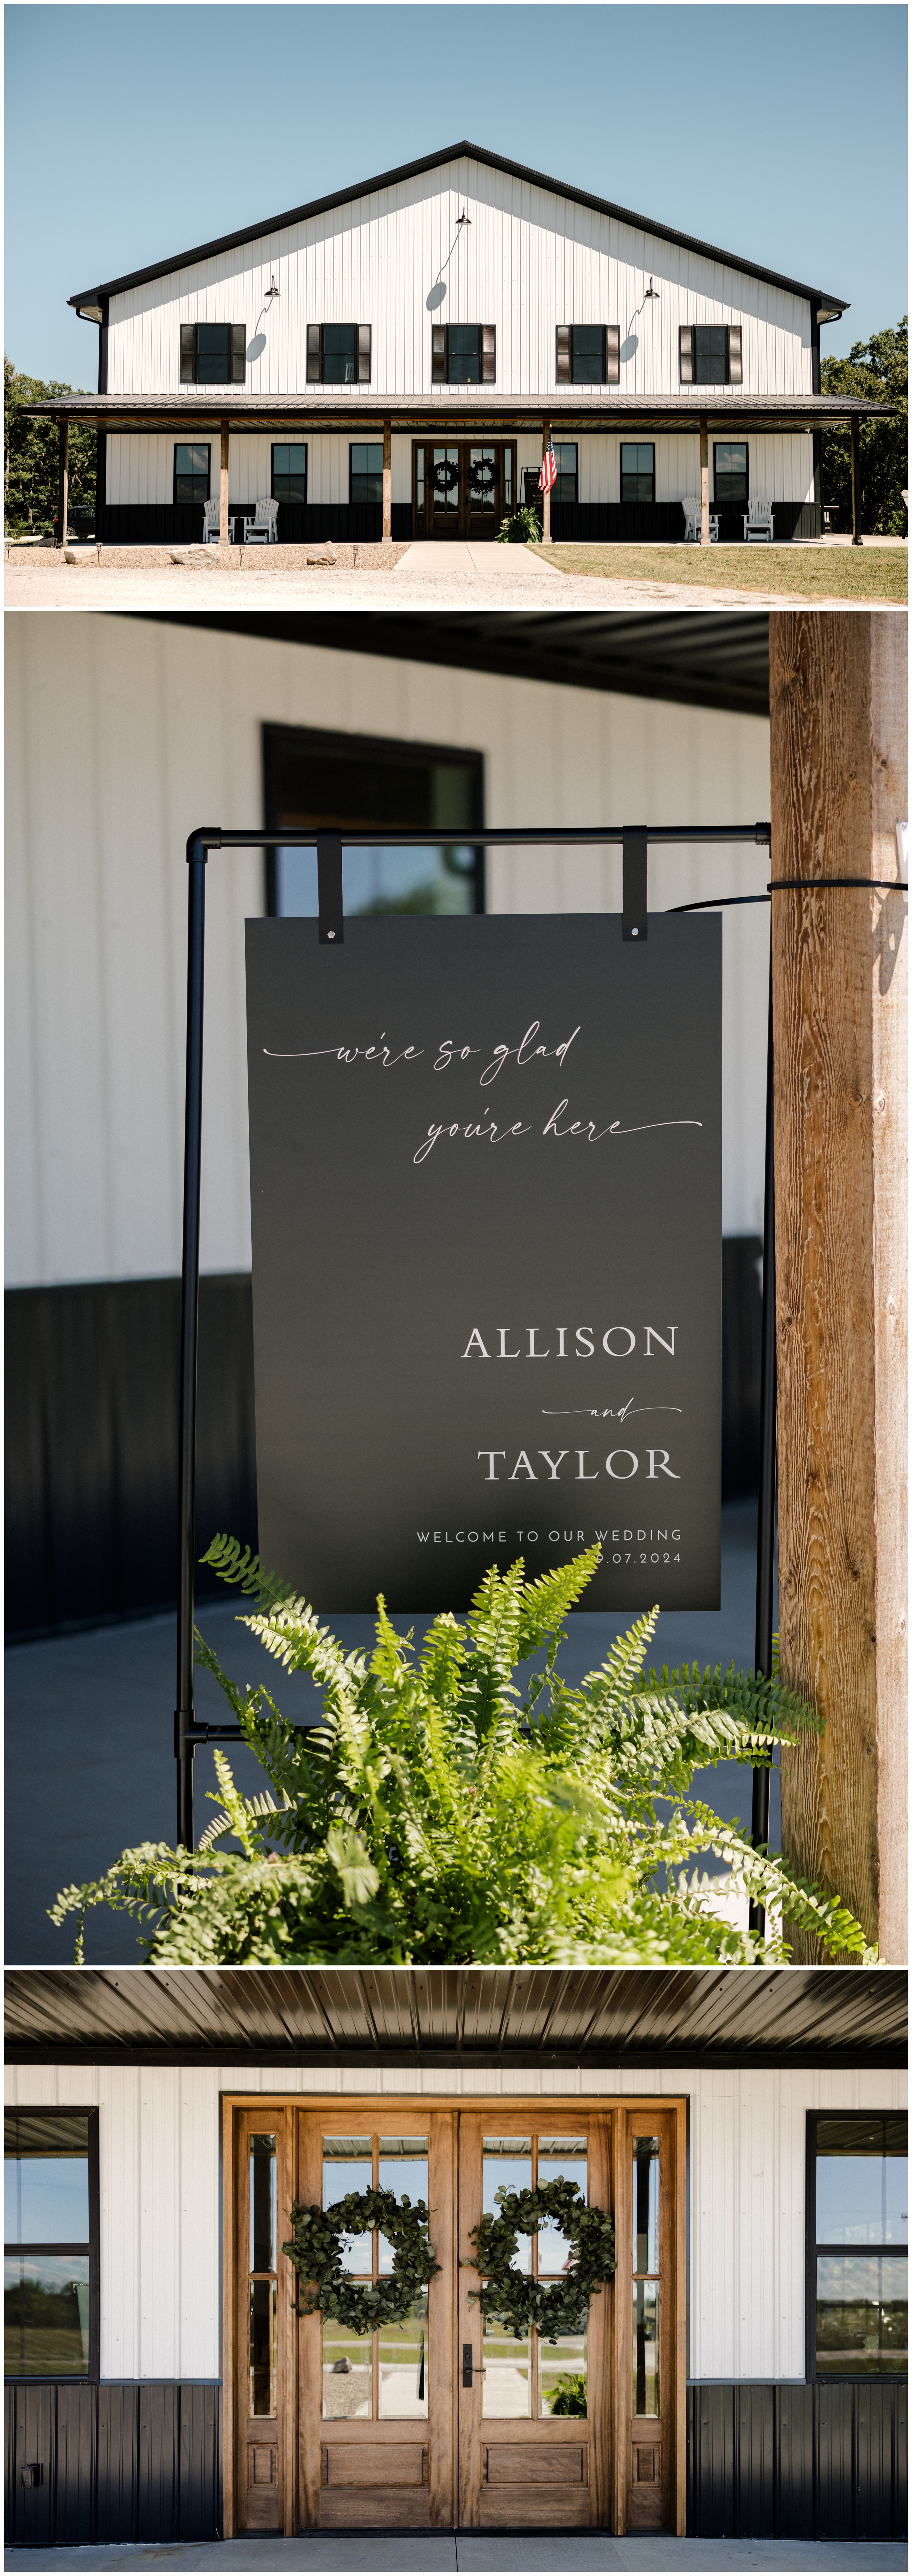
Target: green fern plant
point(439, 1813)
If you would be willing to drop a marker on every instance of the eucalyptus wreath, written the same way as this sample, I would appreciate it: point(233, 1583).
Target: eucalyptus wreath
point(315, 2252)
point(558, 2307)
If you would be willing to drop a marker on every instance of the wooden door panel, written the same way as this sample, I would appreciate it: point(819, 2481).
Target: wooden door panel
point(521, 2466)
point(346, 2466)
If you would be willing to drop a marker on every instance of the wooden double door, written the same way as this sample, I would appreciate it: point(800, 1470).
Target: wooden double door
point(462, 487)
point(437, 2422)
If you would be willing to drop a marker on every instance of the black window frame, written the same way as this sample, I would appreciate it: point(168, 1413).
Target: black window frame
point(639, 503)
point(565, 358)
point(565, 445)
point(315, 353)
point(277, 496)
point(200, 498)
point(687, 354)
point(383, 750)
point(732, 442)
point(487, 353)
point(826, 2378)
point(353, 496)
point(71, 2379)
point(237, 354)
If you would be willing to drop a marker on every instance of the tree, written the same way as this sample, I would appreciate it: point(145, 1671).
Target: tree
point(876, 371)
point(31, 451)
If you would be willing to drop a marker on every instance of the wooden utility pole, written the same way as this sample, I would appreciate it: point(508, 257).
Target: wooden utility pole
point(63, 481)
point(224, 525)
point(839, 788)
point(704, 479)
point(856, 481)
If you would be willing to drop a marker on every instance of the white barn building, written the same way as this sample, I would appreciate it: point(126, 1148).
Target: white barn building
point(389, 361)
point(742, 2374)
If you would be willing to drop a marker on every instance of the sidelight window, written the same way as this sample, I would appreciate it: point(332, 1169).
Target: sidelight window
point(646, 2391)
point(857, 2231)
point(263, 2287)
point(51, 2245)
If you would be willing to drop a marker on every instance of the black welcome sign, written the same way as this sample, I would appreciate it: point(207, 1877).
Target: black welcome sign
point(486, 1200)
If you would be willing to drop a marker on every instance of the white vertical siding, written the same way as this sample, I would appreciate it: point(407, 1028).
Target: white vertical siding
point(163, 732)
point(159, 2153)
point(528, 259)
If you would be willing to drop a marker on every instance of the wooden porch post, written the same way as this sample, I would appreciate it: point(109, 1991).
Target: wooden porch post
point(224, 526)
point(704, 479)
point(63, 481)
point(546, 496)
point(838, 760)
point(856, 482)
point(387, 484)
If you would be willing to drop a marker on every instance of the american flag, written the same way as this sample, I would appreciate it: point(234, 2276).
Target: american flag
point(548, 475)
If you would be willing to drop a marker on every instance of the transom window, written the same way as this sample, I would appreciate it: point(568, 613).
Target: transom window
point(289, 473)
point(709, 353)
point(191, 472)
point(533, 2377)
point(588, 353)
point(566, 487)
point(730, 471)
point(637, 472)
point(51, 2244)
point(857, 2193)
point(366, 472)
point(381, 2375)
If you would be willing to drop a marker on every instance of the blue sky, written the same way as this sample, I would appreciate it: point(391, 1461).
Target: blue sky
point(779, 133)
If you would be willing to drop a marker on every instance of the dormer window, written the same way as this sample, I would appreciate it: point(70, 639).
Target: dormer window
point(213, 353)
point(709, 353)
point(338, 353)
point(588, 353)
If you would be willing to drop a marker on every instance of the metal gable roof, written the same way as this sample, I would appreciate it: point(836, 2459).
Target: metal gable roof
point(406, 2017)
point(814, 295)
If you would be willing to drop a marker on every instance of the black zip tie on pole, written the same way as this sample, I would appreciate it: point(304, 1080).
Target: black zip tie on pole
point(634, 843)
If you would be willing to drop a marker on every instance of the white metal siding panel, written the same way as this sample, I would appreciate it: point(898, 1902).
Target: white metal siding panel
point(159, 2136)
point(164, 731)
point(528, 259)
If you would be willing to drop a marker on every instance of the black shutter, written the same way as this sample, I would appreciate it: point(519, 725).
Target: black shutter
point(611, 372)
point(564, 354)
point(314, 354)
point(487, 353)
point(188, 353)
point(238, 352)
point(734, 353)
point(438, 353)
point(686, 353)
point(364, 353)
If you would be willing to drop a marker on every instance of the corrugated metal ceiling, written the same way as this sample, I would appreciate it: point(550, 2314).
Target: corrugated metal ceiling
point(455, 2016)
point(717, 660)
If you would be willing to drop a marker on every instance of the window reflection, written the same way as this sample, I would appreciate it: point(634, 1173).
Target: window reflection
point(507, 2165)
point(348, 2165)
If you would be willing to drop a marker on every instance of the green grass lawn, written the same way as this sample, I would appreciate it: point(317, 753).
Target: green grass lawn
point(863, 573)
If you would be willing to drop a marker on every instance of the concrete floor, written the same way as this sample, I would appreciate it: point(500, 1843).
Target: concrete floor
point(484, 2554)
point(90, 1734)
point(436, 576)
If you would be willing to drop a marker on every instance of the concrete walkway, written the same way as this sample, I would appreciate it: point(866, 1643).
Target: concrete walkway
point(329, 2553)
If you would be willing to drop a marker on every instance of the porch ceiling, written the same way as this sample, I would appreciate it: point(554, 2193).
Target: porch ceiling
point(708, 659)
point(262, 412)
point(452, 2017)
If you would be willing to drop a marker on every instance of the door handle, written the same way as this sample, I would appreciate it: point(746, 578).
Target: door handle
point(469, 2366)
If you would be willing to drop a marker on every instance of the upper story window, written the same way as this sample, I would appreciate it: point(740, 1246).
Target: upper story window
point(213, 353)
point(51, 2248)
point(588, 353)
point(710, 353)
point(289, 473)
point(857, 2236)
point(338, 353)
point(462, 353)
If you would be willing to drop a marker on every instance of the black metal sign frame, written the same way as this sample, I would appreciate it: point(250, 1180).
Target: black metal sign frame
point(633, 840)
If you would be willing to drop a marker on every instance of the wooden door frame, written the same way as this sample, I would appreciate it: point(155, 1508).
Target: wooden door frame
point(371, 2108)
point(463, 443)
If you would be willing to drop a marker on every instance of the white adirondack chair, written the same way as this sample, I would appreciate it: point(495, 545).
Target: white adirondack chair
point(211, 523)
point(758, 522)
point(692, 522)
point(263, 528)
